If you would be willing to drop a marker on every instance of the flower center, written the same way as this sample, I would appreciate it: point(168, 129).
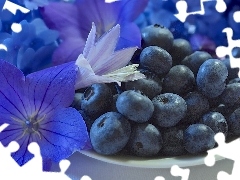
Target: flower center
point(30, 125)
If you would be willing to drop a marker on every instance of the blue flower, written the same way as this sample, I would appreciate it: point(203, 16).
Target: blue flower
point(31, 49)
point(36, 107)
point(74, 21)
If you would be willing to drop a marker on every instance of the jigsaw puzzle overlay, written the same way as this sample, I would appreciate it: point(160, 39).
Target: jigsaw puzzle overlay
point(33, 169)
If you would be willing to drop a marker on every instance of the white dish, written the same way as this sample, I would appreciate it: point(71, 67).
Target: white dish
point(157, 162)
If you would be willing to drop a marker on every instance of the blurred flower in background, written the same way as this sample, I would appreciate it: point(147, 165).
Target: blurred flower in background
point(203, 31)
point(74, 22)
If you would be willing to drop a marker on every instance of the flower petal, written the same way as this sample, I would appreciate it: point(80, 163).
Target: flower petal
point(90, 41)
point(11, 91)
point(130, 36)
point(104, 47)
point(103, 14)
point(51, 88)
point(63, 134)
point(68, 50)
point(131, 9)
point(117, 60)
point(10, 134)
point(62, 17)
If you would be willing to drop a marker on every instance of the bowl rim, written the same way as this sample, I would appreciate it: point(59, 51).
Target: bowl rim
point(150, 162)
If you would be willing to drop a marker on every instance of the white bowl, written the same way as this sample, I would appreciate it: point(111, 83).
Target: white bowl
point(153, 162)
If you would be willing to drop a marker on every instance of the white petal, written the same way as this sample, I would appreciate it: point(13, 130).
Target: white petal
point(90, 41)
point(117, 60)
point(128, 73)
point(104, 48)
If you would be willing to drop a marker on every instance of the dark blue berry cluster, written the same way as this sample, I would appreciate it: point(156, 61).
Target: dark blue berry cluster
point(186, 98)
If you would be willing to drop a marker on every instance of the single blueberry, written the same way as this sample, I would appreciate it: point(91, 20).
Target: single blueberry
point(231, 95)
point(157, 35)
point(195, 60)
point(198, 138)
point(77, 101)
point(180, 49)
point(149, 86)
point(169, 109)
point(156, 59)
point(96, 100)
point(211, 78)
point(197, 105)
point(179, 80)
point(173, 141)
point(145, 140)
point(216, 121)
point(135, 106)
point(110, 133)
point(234, 122)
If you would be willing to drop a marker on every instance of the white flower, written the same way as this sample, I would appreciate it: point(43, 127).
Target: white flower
point(99, 63)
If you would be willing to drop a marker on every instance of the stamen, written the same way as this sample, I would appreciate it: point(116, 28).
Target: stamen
point(24, 132)
point(16, 119)
point(40, 120)
point(37, 133)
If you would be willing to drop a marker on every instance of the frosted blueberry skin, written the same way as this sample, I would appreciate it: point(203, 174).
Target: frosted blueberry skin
point(173, 141)
point(197, 105)
point(232, 72)
point(110, 133)
point(149, 86)
point(198, 138)
point(157, 35)
point(216, 121)
point(97, 100)
point(180, 49)
point(179, 80)
point(135, 106)
point(234, 122)
point(231, 95)
point(169, 109)
point(195, 60)
point(156, 59)
point(211, 78)
point(145, 140)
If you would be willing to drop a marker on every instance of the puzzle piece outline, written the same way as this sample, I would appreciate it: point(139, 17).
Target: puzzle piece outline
point(182, 5)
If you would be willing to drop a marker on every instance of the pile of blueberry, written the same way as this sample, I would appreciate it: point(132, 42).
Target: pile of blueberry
point(186, 98)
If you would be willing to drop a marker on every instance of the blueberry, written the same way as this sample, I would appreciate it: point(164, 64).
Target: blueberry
point(234, 122)
point(179, 80)
point(87, 119)
point(169, 109)
point(198, 138)
point(110, 133)
point(77, 101)
point(180, 49)
point(149, 86)
point(211, 78)
point(234, 80)
point(216, 121)
point(232, 72)
point(231, 95)
point(135, 106)
point(156, 59)
point(197, 105)
point(157, 35)
point(173, 141)
point(145, 140)
point(195, 60)
point(96, 100)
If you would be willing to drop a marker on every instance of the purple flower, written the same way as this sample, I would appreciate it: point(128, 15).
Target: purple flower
point(99, 63)
point(36, 107)
point(74, 22)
